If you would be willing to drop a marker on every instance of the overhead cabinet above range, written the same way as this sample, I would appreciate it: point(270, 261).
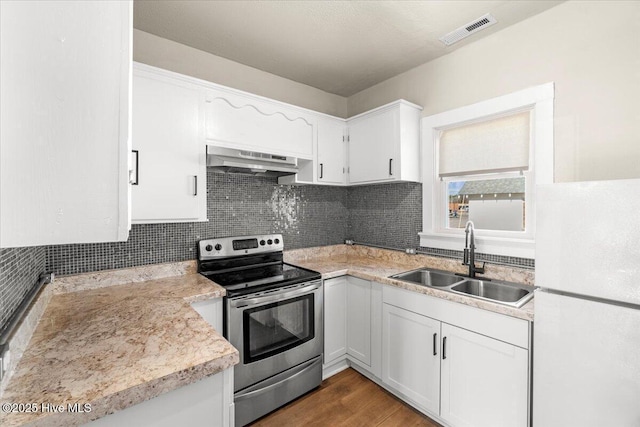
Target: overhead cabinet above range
point(238, 120)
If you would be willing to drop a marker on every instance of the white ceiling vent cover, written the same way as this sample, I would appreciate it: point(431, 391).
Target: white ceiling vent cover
point(468, 29)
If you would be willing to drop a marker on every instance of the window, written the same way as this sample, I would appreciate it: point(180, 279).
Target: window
point(481, 163)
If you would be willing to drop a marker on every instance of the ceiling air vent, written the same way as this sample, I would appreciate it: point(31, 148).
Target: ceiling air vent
point(468, 29)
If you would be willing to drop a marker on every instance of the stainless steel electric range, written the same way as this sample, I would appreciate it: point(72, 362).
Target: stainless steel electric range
point(272, 315)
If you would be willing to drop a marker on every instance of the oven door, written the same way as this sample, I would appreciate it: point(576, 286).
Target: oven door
point(275, 331)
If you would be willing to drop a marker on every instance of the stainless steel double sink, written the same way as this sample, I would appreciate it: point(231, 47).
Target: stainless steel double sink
point(511, 294)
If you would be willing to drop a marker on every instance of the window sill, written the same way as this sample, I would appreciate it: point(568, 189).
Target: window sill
point(521, 248)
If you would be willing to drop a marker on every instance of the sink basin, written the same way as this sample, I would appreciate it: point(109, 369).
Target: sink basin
point(505, 293)
point(428, 278)
point(511, 294)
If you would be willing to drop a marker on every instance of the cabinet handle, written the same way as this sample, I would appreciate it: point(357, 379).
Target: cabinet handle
point(444, 348)
point(435, 338)
point(137, 176)
point(195, 185)
point(321, 170)
point(390, 167)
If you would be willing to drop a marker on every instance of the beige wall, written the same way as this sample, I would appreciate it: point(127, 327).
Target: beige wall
point(590, 49)
point(153, 50)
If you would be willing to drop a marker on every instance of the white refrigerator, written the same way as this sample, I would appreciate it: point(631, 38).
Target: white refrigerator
point(586, 363)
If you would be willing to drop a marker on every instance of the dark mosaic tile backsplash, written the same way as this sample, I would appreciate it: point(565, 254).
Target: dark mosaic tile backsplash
point(388, 215)
point(19, 272)
point(236, 205)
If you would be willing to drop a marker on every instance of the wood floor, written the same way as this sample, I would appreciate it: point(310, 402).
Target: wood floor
point(346, 399)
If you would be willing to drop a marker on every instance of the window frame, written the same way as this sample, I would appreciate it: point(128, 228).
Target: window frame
point(539, 100)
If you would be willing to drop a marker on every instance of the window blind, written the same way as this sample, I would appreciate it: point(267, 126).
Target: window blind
point(495, 145)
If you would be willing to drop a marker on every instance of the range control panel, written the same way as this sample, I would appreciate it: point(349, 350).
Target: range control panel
point(224, 247)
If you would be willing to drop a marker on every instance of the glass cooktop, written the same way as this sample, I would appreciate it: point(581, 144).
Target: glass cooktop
point(258, 279)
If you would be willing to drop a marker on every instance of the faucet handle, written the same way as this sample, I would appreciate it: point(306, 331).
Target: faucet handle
point(480, 269)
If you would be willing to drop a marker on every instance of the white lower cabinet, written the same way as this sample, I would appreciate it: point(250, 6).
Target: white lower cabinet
point(335, 319)
point(484, 381)
point(461, 365)
point(459, 376)
point(410, 359)
point(359, 319)
point(352, 319)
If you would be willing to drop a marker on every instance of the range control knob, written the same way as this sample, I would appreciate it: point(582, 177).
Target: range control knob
point(208, 248)
point(218, 246)
point(276, 241)
point(262, 242)
point(269, 241)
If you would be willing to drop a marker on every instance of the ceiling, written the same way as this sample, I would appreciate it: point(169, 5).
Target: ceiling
point(341, 47)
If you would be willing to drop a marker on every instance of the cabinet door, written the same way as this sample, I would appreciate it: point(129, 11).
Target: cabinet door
point(484, 381)
point(335, 319)
point(411, 356)
point(373, 141)
point(242, 121)
point(359, 319)
point(64, 157)
point(331, 151)
point(167, 135)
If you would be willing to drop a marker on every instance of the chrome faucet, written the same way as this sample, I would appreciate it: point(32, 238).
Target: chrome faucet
point(469, 257)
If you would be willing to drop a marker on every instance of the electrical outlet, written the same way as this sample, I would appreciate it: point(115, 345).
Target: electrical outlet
point(410, 251)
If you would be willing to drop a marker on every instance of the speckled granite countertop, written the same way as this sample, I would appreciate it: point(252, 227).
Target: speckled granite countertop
point(114, 345)
point(378, 264)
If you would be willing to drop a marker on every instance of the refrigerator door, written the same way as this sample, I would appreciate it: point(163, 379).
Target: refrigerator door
point(588, 238)
point(586, 363)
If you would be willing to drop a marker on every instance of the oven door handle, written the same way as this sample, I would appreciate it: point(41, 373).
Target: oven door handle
point(272, 297)
point(274, 382)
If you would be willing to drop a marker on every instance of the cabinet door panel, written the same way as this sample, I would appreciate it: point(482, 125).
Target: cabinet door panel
point(484, 381)
point(65, 120)
point(409, 364)
point(331, 151)
point(372, 144)
point(167, 136)
point(359, 319)
point(335, 319)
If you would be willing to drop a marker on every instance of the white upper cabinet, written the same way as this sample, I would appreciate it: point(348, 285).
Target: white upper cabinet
point(64, 153)
point(170, 180)
point(236, 119)
point(384, 144)
point(331, 163)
